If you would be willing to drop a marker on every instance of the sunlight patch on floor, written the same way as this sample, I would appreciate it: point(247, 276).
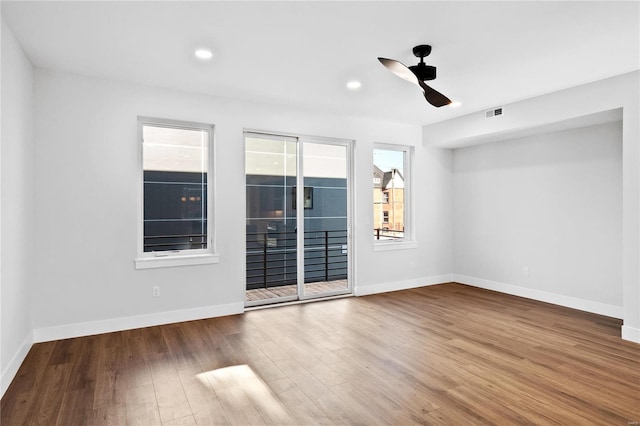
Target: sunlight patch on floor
point(242, 378)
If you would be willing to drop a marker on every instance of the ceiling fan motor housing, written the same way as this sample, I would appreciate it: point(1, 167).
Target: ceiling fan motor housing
point(423, 71)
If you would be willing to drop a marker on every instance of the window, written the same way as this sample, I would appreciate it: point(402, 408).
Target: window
point(176, 196)
point(391, 196)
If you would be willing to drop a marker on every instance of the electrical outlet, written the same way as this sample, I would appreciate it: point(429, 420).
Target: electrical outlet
point(156, 291)
point(525, 271)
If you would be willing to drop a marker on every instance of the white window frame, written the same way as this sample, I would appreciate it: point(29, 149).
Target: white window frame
point(146, 260)
point(409, 240)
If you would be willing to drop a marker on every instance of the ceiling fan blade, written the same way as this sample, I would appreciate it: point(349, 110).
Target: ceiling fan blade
point(434, 97)
point(399, 69)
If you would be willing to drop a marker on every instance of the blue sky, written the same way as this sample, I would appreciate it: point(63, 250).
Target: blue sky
point(387, 159)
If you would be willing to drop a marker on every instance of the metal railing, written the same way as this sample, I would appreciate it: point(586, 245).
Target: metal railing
point(387, 234)
point(174, 242)
point(272, 257)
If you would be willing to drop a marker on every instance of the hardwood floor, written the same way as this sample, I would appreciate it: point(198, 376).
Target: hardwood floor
point(445, 354)
point(292, 290)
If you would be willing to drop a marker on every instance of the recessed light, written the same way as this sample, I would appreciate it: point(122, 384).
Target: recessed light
point(203, 54)
point(455, 104)
point(354, 85)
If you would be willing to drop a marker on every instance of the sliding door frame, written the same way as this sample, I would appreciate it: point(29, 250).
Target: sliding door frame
point(349, 146)
point(300, 213)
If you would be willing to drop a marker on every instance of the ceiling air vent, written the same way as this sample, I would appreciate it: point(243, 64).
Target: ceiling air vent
point(495, 112)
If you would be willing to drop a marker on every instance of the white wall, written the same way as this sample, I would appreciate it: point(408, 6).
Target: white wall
point(594, 99)
point(551, 203)
point(17, 237)
point(86, 169)
point(431, 261)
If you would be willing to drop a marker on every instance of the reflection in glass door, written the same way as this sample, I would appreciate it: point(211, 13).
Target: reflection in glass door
point(271, 243)
point(325, 205)
point(297, 218)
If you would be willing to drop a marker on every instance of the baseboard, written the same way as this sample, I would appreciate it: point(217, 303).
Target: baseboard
point(14, 365)
point(67, 331)
point(403, 285)
point(543, 296)
point(631, 334)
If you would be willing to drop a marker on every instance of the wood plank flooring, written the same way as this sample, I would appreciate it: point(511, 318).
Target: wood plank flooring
point(316, 288)
point(446, 354)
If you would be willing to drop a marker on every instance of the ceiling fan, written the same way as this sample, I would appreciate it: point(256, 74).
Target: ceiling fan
point(418, 74)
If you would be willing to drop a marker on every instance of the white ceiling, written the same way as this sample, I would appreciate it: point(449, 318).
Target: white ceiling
point(302, 54)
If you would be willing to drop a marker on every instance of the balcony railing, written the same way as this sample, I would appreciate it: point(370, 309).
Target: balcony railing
point(175, 242)
point(272, 257)
point(387, 234)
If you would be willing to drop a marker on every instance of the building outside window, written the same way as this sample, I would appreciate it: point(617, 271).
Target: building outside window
point(390, 195)
point(176, 192)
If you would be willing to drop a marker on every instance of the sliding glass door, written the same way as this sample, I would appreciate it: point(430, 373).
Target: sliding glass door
point(271, 223)
point(297, 218)
point(326, 218)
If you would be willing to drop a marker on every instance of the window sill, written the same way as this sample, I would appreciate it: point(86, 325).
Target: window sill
point(180, 260)
point(394, 245)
